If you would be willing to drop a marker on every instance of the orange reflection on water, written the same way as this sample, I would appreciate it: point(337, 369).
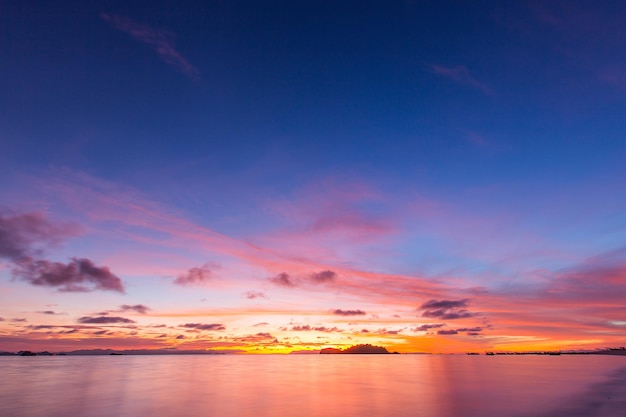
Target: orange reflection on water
point(305, 385)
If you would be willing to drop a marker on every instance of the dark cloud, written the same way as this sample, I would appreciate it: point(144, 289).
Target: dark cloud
point(201, 326)
point(427, 327)
point(195, 276)
point(323, 276)
point(283, 280)
point(251, 295)
point(341, 312)
point(444, 304)
point(24, 236)
point(181, 336)
point(137, 308)
point(100, 332)
point(470, 329)
point(447, 314)
point(473, 334)
point(103, 320)
point(19, 320)
point(364, 331)
point(447, 332)
point(446, 309)
point(49, 312)
point(1, 319)
point(79, 275)
point(260, 324)
point(23, 239)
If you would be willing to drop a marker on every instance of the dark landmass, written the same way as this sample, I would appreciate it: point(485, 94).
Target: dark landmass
point(358, 349)
point(621, 351)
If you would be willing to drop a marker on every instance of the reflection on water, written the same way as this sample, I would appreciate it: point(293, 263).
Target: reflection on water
point(313, 385)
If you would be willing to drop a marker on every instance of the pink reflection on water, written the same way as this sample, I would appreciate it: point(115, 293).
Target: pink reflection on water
point(310, 385)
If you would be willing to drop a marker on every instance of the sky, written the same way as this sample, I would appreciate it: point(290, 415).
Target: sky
point(279, 176)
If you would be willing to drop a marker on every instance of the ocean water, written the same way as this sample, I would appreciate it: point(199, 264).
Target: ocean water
point(313, 385)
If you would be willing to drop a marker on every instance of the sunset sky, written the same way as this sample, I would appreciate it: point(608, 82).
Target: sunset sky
point(277, 176)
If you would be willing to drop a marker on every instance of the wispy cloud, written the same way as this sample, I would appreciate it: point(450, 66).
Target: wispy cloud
point(461, 75)
point(161, 41)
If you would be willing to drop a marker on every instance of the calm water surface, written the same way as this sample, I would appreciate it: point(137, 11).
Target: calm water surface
point(313, 385)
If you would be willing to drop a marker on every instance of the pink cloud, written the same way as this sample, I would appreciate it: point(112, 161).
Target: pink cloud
point(160, 40)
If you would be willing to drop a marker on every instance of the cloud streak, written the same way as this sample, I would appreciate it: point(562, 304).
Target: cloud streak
point(462, 76)
point(161, 41)
point(340, 312)
point(104, 320)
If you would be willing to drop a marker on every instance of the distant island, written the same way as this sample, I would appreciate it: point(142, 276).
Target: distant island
point(358, 349)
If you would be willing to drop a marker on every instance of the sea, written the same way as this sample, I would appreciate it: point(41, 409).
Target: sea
point(313, 385)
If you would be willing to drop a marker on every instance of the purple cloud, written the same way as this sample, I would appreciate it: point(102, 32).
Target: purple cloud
point(137, 308)
point(323, 276)
point(251, 295)
point(201, 326)
point(23, 236)
point(447, 332)
point(446, 309)
point(283, 280)
point(104, 320)
point(341, 312)
point(195, 276)
point(427, 327)
point(79, 275)
point(160, 40)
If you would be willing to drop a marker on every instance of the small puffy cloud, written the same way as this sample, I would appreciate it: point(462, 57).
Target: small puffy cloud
point(447, 332)
point(283, 280)
point(180, 337)
point(48, 312)
point(195, 276)
point(251, 295)
point(323, 277)
point(137, 308)
point(262, 324)
point(446, 309)
point(19, 320)
point(79, 275)
point(341, 312)
point(104, 320)
point(202, 326)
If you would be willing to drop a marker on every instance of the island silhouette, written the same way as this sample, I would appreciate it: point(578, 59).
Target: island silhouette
point(357, 349)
